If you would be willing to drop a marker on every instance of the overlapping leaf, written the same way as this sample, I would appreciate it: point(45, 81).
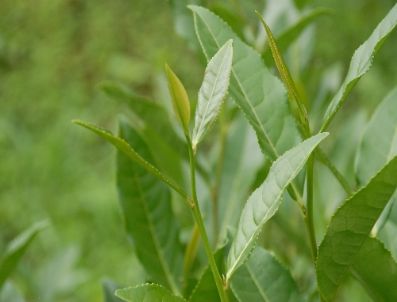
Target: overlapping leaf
point(350, 227)
point(265, 201)
point(263, 278)
point(147, 292)
point(361, 63)
point(213, 90)
point(146, 204)
point(258, 93)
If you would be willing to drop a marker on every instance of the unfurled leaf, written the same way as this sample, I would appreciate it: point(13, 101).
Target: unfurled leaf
point(147, 210)
point(129, 151)
point(180, 99)
point(379, 142)
point(259, 94)
point(213, 90)
point(263, 278)
point(376, 270)
point(147, 292)
point(16, 249)
point(298, 108)
point(361, 63)
point(265, 200)
point(350, 227)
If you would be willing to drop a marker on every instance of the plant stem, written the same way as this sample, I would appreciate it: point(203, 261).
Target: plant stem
point(200, 224)
point(309, 205)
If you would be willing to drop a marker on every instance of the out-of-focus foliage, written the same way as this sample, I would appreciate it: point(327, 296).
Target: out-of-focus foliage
point(54, 54)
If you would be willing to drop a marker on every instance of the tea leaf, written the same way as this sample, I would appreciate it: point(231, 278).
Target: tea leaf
point(213, 90)
point(361, 63)
point(258, 93)
point(298, 108)
point(147, 210)
point(147, 292)
point(379, 142)
point(349, 228)
point(263, 278)
point(129, 151)
point(180, 99)
point(376, 270)
point(16, 249)
point(265, 200)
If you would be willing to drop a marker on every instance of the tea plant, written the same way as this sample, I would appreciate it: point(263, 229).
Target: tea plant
point(233, 195)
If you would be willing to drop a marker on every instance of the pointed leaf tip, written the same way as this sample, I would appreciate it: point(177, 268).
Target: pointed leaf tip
point(180, 99)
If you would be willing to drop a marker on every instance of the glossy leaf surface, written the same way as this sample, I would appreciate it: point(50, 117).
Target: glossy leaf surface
point(349, 228)
point(213, 90)
point(265, 200)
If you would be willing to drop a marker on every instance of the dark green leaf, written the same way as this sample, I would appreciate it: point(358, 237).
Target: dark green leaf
point(376, 270)
point(350, 227)
point(263, 278)
point(147, 210)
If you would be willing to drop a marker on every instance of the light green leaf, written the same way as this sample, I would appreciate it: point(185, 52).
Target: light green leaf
point(147, 293)
point(263, 278)
point(265, 200)
point(213, 90)
point(147, 210)
point(376, 270)
point(109, 288)
point(349, 228)
point(180, 99)
point(16, 249)
point(258, 93)
point(129, 151)
point(289, 35)
point(379, 142)
point(361, 62)
point(242, 158)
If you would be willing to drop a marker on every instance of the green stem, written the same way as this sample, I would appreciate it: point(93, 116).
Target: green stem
point(200, 224)
point(309, 206)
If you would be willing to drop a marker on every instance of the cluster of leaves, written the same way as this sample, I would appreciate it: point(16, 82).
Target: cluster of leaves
point(151, 179)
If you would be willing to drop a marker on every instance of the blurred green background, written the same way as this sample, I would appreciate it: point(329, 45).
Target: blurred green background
point(53, 56)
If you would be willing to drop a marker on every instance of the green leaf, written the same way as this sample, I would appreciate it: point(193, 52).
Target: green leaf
point(129, 151)
point(258, 93)
point(16, 249)
point(242, 157)
point(288, 36)
point(180, 99)
point(109, 288)
point(146, 293)
point(265, 200)
point(212, 91)
point(376, 270)
point(379, 142)
point(361, 63)
point(349, 228)
point(148, 214)
point(263, 278)
point(298, 108)
point(205, 289)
